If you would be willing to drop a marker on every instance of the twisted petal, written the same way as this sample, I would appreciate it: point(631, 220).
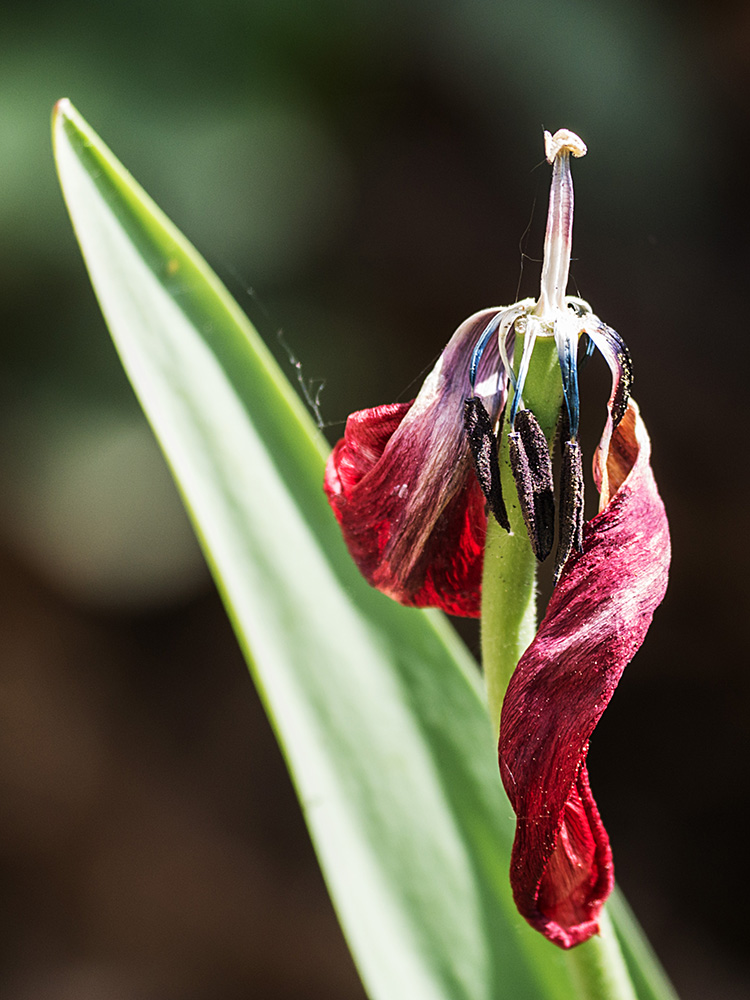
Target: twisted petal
point(601, 608)
point(402, 486)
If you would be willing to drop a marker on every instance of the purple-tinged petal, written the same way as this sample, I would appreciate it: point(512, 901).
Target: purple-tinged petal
point(402, 485)
point(600, 610)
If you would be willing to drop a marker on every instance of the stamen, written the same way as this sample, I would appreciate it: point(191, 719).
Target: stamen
point(483, 444)
point(481, 344)
point(532, 471)
point(582, 310)
point(567, 352)
point(502, 322)
point(523, 369)
point(559, 235)
point(579, 306)
point(507, 332)
point(571, 505)
point(588, 351)
point(617, 356)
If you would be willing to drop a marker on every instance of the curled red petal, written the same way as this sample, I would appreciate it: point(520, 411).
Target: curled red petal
point(402, 486)
point(600, 610)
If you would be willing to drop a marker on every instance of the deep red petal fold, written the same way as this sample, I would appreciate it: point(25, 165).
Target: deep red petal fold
point(597, 618)
point(402, 486)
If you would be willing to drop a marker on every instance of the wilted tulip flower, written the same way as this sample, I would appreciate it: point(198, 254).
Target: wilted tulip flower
point(411, 485)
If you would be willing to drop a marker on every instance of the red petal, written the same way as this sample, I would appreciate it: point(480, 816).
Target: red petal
point(561, 865)
point(402, 486)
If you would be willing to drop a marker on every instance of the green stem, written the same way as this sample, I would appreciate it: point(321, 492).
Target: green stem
point(508, 602)
point(597, 967)
point(509, 580)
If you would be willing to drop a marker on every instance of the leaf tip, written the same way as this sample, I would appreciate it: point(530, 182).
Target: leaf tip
point(62, 112)
point(63, 109)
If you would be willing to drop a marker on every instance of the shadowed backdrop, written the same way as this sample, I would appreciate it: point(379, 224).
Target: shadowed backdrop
point(362, 175)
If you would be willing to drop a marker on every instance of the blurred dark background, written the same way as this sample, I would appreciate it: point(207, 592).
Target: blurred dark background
point(363, 175)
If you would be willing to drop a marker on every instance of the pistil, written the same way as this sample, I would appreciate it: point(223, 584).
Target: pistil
point(558, 239)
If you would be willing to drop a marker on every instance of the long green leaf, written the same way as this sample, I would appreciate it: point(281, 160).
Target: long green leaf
point(378, 709)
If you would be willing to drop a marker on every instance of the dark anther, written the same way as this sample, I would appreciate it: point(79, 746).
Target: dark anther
point(532, 471)
point(624, 385)
point(483, 444)
point(571, 504)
